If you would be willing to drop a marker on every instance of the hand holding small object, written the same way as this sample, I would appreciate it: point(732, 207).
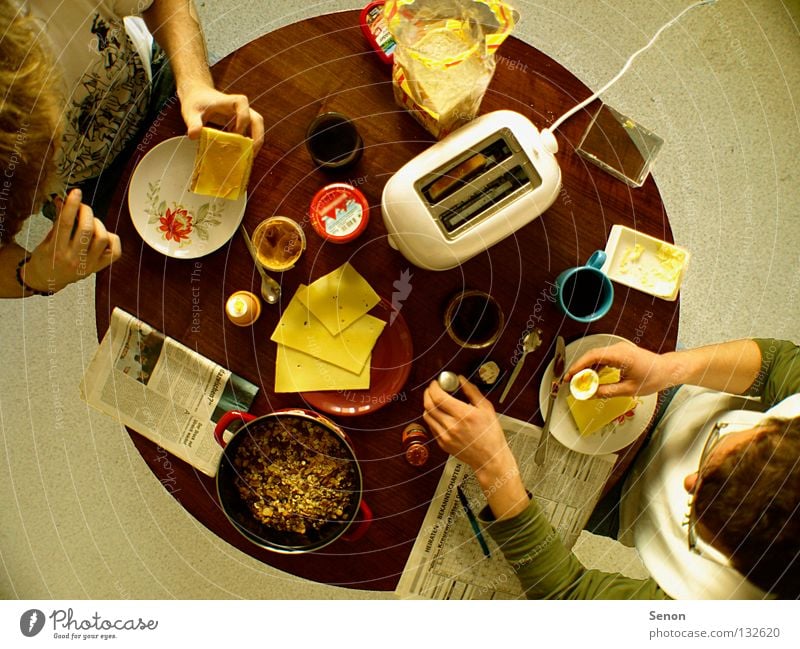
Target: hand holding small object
point(77, 246)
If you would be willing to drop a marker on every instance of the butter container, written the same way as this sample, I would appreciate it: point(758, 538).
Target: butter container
point(645, 263)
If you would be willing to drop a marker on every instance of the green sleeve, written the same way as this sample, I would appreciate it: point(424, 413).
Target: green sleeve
point(779, 376)
point(547, 570)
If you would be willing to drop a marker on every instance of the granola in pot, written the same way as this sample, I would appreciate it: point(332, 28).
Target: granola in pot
point(295, 475)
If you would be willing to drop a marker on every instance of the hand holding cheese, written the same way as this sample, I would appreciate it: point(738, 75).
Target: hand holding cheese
point(641, 372)
point(201, 104)
point(222, 165)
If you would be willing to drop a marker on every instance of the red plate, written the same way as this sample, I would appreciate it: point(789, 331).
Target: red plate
point(391, 365)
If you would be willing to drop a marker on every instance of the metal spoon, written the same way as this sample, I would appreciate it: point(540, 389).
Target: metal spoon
point(530, 342)
point(270, 289)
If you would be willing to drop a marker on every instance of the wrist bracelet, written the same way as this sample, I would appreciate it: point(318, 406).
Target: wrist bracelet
point(21, 263)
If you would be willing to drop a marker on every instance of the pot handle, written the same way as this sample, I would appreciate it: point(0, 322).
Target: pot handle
point(362, 524)
point(226, 420)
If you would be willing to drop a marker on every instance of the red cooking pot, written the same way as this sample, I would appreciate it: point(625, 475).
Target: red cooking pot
point(243, 519)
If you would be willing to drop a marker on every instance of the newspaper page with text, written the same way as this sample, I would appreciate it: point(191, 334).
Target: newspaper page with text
point(163, 390)
point(447, 560)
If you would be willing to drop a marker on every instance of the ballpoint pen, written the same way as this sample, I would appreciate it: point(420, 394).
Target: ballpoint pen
point(473, 521)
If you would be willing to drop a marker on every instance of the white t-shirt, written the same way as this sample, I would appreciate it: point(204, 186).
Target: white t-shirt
point(654, 504)
point(104, 59)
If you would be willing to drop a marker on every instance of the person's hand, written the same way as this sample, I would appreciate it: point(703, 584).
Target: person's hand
point(201, 104)
point(643, 372)
point(77, 246)
point(470, 431)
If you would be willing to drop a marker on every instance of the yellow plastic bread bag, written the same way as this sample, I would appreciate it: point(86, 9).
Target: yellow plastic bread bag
point(444, 59)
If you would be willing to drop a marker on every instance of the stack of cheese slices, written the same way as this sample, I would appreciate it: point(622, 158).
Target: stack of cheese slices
point(325, 336)
point(222, 164)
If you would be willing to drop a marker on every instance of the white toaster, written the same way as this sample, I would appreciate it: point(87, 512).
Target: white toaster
point(470, 190)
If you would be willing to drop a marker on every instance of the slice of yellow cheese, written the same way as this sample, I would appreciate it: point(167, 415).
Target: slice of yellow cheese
point(608, 374)
point(339, 298)
point(300, 330)
point(222, 165)
point(298, 372)
point(591, 415)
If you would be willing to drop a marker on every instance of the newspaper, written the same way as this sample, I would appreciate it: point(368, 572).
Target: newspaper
point(163, 390)
point(447, 560)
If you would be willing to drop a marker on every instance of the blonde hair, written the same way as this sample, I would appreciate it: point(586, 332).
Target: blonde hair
point(30, 107)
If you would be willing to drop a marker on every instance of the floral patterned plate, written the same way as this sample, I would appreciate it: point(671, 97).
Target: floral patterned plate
point(171, 219)
point(612, 437)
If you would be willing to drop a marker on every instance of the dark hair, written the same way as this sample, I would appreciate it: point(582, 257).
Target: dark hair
point(29, 119)
point(750, 504)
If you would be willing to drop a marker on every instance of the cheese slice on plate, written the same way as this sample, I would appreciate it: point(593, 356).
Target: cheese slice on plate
point(339, 298)
point(300, 330)
point(222, 165)
point(591, 415)
point(298, 372)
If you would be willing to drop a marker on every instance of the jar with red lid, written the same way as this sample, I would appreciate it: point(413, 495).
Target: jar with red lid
point(339, 212)
point(414, 448)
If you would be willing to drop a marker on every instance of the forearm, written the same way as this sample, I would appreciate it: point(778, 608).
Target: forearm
point(10, 255)
point(502, 485)
point(176, 27)
point(547, 569)
point(727, 367)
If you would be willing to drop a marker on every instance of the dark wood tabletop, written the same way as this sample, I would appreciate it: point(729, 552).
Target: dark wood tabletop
point(290, 76)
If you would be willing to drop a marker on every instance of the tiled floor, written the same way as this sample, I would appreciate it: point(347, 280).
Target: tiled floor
point(82, 516)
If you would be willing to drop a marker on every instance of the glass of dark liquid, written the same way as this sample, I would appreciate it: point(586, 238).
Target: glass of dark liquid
point(585, 293)
point(333, 141)
point(474, 319)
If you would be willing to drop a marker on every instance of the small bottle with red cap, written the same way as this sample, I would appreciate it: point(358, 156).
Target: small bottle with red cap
point(414, 444)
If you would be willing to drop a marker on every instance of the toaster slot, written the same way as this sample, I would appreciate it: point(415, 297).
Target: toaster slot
point(492, 193)
point(452, 178)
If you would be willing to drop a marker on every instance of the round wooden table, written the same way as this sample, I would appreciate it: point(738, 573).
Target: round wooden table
point(290, 76)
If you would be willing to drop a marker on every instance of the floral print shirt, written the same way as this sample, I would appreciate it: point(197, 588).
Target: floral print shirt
point(104, 59)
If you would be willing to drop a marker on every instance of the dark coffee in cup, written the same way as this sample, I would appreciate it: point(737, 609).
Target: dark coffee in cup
point(333, 141)
point(474, 319)
point(584, 292)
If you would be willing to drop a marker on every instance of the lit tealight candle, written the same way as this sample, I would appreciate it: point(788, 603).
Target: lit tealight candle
point(243, 308)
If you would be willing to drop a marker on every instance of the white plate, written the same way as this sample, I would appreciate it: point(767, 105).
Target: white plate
point(171, 219)
point(612, 437)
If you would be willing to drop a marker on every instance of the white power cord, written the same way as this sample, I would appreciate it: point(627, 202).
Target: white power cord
point(549, 131)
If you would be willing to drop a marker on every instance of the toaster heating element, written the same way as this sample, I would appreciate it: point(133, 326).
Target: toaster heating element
point(469, 191)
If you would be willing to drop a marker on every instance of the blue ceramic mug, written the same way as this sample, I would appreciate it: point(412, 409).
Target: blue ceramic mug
point(585, 293)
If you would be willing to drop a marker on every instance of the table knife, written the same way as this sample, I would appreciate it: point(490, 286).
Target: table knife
point(559, 367)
